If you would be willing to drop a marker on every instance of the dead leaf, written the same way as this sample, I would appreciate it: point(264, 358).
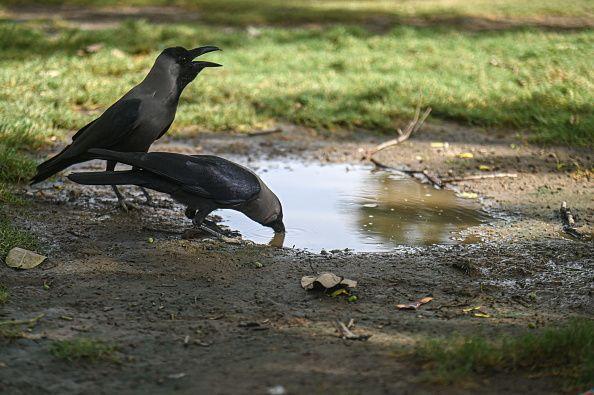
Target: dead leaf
point(414, 305)
point(484, 168)
point(465, 155)
point(20, 258)
point(340, 291)
point(481, 315)
point(327, 280)
point(439, 145)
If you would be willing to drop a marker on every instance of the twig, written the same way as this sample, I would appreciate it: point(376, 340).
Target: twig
point(219, 236)
point(412, 127)
point(479, 177)
point(433, 179)
point(20, 322)
point(264, 132)
point(569, 222)
point(436, 181)
point(346, 333)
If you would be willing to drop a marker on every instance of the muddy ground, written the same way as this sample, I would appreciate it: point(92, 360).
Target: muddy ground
point(203, 316)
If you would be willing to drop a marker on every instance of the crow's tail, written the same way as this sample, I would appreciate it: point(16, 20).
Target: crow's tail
point(128, 177)
point(54, 165)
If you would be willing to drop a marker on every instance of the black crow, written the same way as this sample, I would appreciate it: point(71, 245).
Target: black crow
point(203, 183)
point(140, 117)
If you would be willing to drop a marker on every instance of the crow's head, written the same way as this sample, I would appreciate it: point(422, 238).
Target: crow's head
point(275, 220)
point(181, 64)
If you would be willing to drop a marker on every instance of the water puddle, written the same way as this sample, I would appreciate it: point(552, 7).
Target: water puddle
point(338, 206)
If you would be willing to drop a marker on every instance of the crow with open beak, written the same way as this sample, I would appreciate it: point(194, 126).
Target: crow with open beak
point(203, 183)
point(140, 117)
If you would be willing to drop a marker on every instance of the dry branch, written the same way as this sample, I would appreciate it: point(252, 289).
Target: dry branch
point(412, 127)
point(479, 177)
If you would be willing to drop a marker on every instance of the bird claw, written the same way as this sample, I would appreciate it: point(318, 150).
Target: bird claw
point(127, 206)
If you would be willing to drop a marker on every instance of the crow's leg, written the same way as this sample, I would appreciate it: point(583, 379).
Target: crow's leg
point(121, 201)
point(149, 199)
point(147, 196)
point(199, 220)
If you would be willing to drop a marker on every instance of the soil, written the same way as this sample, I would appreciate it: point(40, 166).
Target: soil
point(204, 316)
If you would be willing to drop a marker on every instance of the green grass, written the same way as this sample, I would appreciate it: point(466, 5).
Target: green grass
point(244, 12)
point(86, 349)
point(346, 75)
point(4, 295)
point(566, 351)
point(11, 236)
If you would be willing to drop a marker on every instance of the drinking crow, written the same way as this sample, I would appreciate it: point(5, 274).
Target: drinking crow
point(140, 117)
point(203, 183)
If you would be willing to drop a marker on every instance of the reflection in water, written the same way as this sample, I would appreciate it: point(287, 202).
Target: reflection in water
point(356, 207)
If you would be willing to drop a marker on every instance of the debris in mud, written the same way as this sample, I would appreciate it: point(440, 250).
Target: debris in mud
point(414, 305)
point(326, 280)
point(345, 332)
point(276, 390)
point(20, 258)
point(465, 266)
point(569, 222)
point(468, 195)
point(476, 312)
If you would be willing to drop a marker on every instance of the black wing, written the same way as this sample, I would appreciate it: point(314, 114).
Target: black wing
point(207, 176)
point(114, 126)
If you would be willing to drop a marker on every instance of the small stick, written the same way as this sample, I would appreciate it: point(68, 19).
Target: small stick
point(437, 183)
point(412, 127)
point(346, 333)
point(264, 132)
point(20, 322)
point(479, 177)
point(569, 222)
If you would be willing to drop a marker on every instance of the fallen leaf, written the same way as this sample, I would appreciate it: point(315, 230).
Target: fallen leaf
point(414, 305)
point(20, 258)
point(327, 280)
point(340, 291)
point(465, 155)
point(484, 168)
point(468, 195)
point(469, 309)
point(439, 145)
point(353, 298)
point(482, 315)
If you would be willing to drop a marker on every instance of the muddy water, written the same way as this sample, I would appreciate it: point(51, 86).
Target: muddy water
point(337, 206)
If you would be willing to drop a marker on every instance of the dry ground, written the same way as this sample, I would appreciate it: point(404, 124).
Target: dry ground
point(201, 316)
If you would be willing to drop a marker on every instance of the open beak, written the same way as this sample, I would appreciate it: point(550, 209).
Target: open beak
point(201, 51)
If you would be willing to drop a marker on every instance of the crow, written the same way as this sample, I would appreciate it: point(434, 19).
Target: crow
point(203, 183)
point(140, 117)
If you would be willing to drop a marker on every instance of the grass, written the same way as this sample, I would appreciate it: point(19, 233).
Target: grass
point(566, 351)
point(244, 12)
point(83, 349)
point(346, 75)
point(11, 236)
point(4, 295)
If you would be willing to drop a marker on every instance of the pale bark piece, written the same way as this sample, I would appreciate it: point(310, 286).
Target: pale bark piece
point(20, 258)
point(414, 305)
point(326, 280)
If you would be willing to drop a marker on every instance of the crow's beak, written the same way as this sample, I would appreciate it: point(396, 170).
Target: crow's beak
point(278, 226)
point(202, 50)
point(201, 65)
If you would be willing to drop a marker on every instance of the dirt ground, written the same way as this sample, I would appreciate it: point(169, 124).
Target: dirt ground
point(203, 316)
